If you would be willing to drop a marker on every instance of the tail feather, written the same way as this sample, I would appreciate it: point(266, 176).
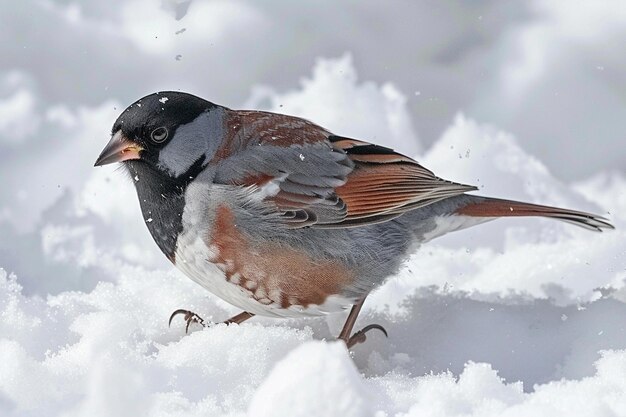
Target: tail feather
point(494, 207)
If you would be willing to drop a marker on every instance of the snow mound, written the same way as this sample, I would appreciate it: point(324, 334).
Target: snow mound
point(316, 379)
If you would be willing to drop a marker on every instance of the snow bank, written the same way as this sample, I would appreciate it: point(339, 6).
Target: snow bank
point(479, 391)
point(517, 317)
point(109, 352)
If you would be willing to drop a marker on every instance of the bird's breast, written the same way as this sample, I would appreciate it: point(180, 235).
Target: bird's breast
point(262, 277)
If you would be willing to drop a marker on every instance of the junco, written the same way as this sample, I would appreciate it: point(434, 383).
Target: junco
point(281, 217)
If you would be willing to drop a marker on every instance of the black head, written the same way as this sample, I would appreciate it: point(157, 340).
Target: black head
point(170, 131)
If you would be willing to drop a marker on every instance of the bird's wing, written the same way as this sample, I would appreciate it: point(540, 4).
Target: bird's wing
point(317, 179)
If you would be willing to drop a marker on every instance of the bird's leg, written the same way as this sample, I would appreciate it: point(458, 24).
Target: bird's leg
point(358, 337)
point(239, 318)
point(191, 317)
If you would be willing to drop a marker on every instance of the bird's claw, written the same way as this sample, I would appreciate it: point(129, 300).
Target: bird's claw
point(189, 317)
point(360, 337)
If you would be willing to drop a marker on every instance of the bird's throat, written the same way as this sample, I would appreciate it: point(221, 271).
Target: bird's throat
point(162, 203)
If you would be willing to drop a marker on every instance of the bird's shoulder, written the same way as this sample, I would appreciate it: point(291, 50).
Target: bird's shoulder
point(275, 128)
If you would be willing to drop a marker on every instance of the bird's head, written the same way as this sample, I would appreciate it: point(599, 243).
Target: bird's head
point(172, 133)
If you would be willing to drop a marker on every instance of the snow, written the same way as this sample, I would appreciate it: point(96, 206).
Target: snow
point(517, 317)
point(332, 385)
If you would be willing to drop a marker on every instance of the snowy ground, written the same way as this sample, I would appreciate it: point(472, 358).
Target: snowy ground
point(518, 317)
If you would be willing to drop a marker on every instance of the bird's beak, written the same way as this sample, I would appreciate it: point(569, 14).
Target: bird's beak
point(118, 149)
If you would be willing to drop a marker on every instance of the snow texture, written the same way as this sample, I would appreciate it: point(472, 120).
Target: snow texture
point(517, 317)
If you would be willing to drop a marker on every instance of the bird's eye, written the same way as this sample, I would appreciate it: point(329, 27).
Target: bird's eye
point(159, 134)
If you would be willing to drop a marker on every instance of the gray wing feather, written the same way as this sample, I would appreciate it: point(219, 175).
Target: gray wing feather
point(308, 176)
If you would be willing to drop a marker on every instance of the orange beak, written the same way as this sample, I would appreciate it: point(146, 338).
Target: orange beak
point(118, 149)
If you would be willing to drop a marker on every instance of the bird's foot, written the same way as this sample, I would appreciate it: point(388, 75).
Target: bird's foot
point(360, 337)
point(190, 317)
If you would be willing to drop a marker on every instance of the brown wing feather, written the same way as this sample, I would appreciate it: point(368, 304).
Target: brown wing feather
point(385, 182)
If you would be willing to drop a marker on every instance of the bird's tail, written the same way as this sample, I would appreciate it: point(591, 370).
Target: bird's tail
point(495, 207)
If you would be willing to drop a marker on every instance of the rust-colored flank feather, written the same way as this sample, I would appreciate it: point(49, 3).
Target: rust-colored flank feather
point(271, 273)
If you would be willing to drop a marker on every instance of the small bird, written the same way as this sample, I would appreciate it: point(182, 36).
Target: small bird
point(279, 216)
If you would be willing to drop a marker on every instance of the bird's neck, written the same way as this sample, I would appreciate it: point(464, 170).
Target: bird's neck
point(162, 201)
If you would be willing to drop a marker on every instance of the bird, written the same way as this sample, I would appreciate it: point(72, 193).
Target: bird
point(279, 216)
